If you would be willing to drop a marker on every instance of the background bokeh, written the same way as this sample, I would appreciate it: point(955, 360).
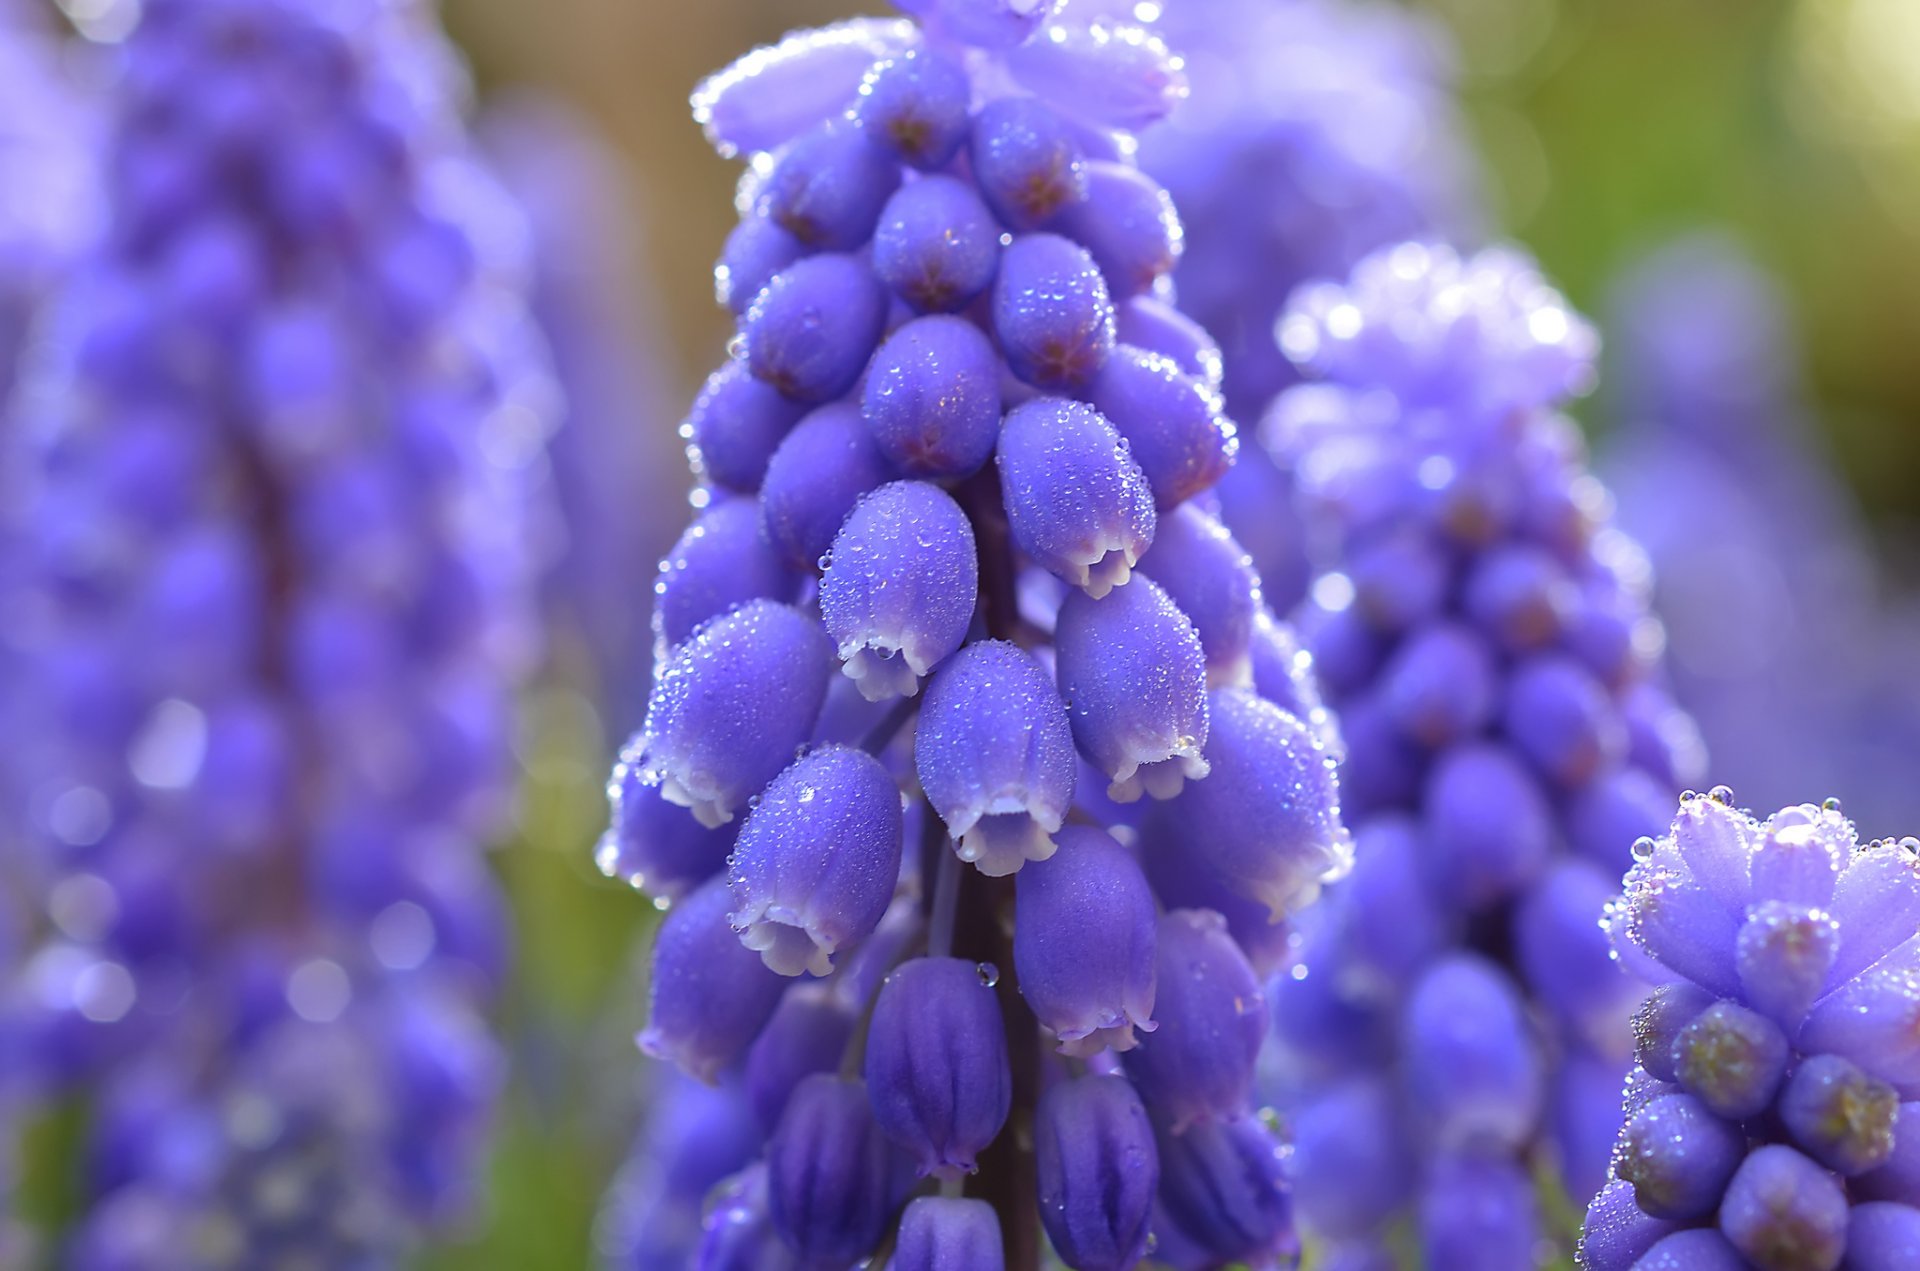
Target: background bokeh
point(1608, 127)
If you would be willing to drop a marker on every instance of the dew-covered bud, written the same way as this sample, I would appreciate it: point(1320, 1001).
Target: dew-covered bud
point(940, 1233)
point(734, 427)
point(655, 845)
point(707, 996)
point(1702, 1249)
point(914, 107)
point(995, 755)
point(899, 588)
point(1134, 678)
point(827, 188)
point(1839, 1115)
point(1471, 1068)
point(932, 397)
point(1732, 1058)
point(1283, 673)
point(1127, 221)
point(1782, 1210)
point(832, 1177)
point(810, 332)
point(1267, 817)
point(1479, 1214)
point(1440, 685)
point(719, 562)
point(1211, 1018)
point(936, 1063)
point(937, 245)
point(1027, 160)
point(731, 705)
point(1202, 570)
point(814, 479)
point(1224, 1187)
point(773, 94)
point(1882, 1235)
point(1098, 1171)
point(816, 862)
point(1678, 1156)
point(1617, 1231)
point(1488, 826)
point(1076, 502)
point(1157, 327)
point(985, 24)
point(1108, 75)
point(754, 252)
point(1658, 1020)
point(808, 1033)
point(1083, 942)
point(1052, 313)
point(1171, 420)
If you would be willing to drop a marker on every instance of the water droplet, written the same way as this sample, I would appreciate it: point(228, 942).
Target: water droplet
point(1721, 794)
point(989, 973)
point(1830, 804)
point(1643, 849)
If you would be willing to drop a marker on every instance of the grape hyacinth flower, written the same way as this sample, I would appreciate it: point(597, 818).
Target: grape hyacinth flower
point(1484, 636)
point(1768, 1122)
point(959, 457)
point(274, 457)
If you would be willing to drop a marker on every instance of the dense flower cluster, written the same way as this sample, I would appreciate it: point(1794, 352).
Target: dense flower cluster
point(269, 474)
point(1454, 1022)
point(1771, 1122)
point(1764, 567)
point(970, 728)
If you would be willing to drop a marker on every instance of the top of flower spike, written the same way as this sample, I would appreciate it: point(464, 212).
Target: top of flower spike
point(1482, 336)
point(1107, 74)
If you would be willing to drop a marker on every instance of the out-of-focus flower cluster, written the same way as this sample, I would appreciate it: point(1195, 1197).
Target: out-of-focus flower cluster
point(970, 728)
point(1771, 1120)
point(268, 473)
point(1454, 1024)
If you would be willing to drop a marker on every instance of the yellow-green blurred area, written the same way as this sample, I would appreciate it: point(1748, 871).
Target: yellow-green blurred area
point(1609, 126)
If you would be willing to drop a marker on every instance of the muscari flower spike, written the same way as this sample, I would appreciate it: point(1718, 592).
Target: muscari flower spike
point(964, 448)
point(1768, 1121)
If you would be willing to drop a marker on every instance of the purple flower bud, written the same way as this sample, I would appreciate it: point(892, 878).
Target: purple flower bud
point(652, 844)
point(1617, 809)
point(754, 252)
point(1519, 596)
point(1439, 686)
point(1899, 1177)
point(898, 592)
point(1224, 1187)
point(737, 1233)
point(831, 1175)
point(708, 996)
point(1157, 327)
point(775, 93)
point(986, 24)
point(1877, 904)
point(914, 107)
point(808, 1033)
point(719, 562)
point(815, 863)
point(1563, 720)
point(995, 755)
point(734, 427)
point(1471, 1069)
point(731, 705)
point(1051, 312)
point(1479, 1214)
point(1076, 502)
point(1782, 1210)
point(932, 397)
point(1732, 1058)
point(1134, 679)
point(1678, 1156)
point(1098, 1171)
point(1399, 580)
point(810, 332)
point(1109, 76)
point(1027, 160)
point(1702, 1249)
point(1211, 1016)
point(1181, 882)
point(827, 187)
point(1352, 1163)
point(1202, 570)
point(1657, 1023)
point(1488, 826)
point(1171, 421)
point(1566, 957)
point(1127, 221)
point(1839, 1115)
point(1617, 1231)
point(1267, 817)
point(813, 480)
point(937, 245)
point(1883, 1235)
point(1283, 674)
point(939, 1233)
point(1083, 942)
point(936, 1063)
